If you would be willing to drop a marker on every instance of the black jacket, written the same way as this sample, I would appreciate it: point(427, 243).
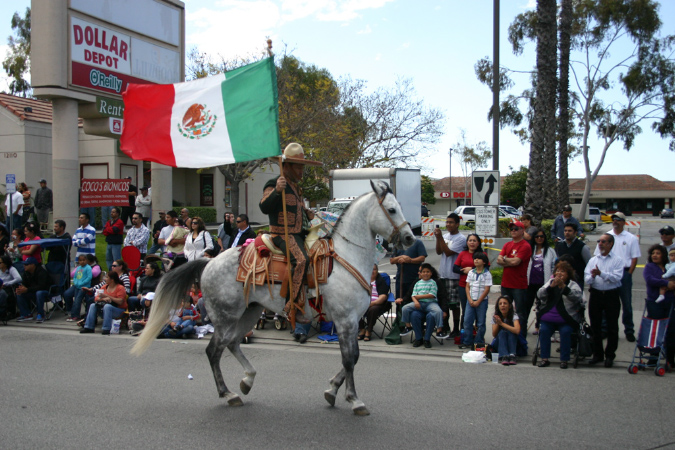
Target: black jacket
point(248, 234)
point(37, 281)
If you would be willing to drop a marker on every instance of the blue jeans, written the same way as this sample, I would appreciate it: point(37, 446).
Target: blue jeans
point(23, 300)
point(546, 331)
point(425, 307)
point(417, 318)
point(301, 328)
point(462, 301)
point(476, 314)
point(154, 249)
point(73, 298)
point(519, 297)
point(105, 213)
point(507, 342)
point(18, 222)
point(626, 296)
point(188, 327)
point(112, 253)
point(110, 312)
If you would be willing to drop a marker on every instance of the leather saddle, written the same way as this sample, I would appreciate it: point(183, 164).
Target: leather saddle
point(264, 263)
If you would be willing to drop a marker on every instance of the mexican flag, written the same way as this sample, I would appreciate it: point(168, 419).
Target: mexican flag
point(223, 119)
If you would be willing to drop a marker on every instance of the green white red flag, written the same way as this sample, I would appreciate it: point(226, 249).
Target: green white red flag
point(223, 119)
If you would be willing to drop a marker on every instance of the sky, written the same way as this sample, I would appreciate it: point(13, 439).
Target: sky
point(434, 42)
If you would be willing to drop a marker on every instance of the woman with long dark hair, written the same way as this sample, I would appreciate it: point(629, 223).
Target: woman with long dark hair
point(506, 327)
point(198, 240)
point(653, 274)
point(112, 300)
point(539, 271)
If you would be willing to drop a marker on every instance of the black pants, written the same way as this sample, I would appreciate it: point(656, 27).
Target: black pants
point(606, 302)
point(127, 212)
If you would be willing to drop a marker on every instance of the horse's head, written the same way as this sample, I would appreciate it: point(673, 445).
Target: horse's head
point(391, 223)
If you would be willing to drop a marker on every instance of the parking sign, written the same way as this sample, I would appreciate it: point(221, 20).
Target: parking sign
point(10, 183)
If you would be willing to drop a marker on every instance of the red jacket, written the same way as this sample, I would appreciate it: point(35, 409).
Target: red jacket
point(114, 232)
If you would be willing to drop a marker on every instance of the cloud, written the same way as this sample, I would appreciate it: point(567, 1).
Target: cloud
point(366, 30)
point(327, 10)
point(234, 27)
point(378, 57)
point(404, 46)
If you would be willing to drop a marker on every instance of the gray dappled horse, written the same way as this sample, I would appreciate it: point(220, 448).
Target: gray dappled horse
point(345, 300)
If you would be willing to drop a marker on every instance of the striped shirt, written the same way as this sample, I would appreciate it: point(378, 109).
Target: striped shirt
point(477, 282)
point(426, 287)
point(85, 241)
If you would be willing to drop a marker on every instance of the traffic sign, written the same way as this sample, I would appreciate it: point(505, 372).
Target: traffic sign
point(485, 187)
point(10, 183)
point(486, 221)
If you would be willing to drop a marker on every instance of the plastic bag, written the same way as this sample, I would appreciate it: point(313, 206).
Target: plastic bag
point(116, 326)
point(474, 357)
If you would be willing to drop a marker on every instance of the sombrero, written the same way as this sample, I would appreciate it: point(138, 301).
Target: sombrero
point(293, 153)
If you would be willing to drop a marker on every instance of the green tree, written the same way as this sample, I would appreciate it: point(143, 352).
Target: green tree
point(17, 62)
point(513, 188)
point(428, 191)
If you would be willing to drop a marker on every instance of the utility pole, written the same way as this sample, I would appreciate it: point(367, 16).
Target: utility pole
point(495, 86)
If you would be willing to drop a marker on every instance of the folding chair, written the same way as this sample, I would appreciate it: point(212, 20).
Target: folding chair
point(386, 319)
point(132, 256)
point(58, 273)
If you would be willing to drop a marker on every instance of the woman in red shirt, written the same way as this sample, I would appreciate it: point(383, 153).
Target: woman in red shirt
point(112, 299)
point(463, 265)
point(32, 234)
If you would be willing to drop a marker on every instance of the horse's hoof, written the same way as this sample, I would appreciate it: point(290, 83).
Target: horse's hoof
point(235, 401)
point(245, 388)
point(330, 397)
point(361, 411)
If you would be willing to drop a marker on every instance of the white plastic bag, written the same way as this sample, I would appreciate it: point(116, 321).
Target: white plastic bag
point(116, 326)
point(474, 357)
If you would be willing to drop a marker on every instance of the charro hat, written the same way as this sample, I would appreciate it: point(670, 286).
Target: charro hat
point(619, 215)
point(293, 153)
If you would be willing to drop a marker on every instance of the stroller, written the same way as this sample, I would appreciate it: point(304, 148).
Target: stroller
point(650, 348)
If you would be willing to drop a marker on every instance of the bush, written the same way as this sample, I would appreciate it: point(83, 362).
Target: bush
point(208, 214)
point(497, 272)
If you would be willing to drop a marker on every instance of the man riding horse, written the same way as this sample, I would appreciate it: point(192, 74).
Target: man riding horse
point(282, 189)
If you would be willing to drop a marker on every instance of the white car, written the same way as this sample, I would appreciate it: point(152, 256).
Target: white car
point(467, 215)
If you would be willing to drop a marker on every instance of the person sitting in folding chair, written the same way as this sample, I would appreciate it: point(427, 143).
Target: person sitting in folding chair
point(10, 280)
point(378, 304)
point(81, 279)
point(35, 286)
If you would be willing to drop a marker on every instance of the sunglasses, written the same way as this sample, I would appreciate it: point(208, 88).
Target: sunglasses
point(540, 236)
point(602, 241)
point(115, 265)
point(515, 228)
point(239, 221)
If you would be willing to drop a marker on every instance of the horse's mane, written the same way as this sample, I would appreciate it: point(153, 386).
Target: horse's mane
point(337, 224)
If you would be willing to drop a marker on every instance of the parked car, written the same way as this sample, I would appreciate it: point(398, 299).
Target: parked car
point(511, 210)
point(667, 212)
point(467, 215)
point(605, 217)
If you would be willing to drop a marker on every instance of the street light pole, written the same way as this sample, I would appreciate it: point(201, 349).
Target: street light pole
point(450, 181)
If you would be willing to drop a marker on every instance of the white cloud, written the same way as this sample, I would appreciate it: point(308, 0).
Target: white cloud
point(328, 10)
point(404, 46)
point(236, 27)
point(378, 57)
point(366, 30)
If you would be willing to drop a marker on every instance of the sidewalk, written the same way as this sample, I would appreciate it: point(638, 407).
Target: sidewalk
point(270, 335)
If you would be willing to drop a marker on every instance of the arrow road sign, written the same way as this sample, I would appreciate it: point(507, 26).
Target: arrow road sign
point(485, 189)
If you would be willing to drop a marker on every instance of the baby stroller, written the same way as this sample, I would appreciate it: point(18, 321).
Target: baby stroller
point(650, 349)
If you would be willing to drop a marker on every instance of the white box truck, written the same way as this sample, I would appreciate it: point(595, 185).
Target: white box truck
point(347, 184)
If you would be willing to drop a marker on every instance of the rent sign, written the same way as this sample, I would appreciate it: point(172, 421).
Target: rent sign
point(104, 192)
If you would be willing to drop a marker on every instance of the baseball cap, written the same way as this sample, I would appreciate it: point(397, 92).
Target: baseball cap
point(42, 180)
point(619, 215)
point(667, 230)
point(30, 260)
point(517, 223)
point(567, 208)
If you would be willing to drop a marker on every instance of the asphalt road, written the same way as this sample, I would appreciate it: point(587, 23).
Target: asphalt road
point(66, 390)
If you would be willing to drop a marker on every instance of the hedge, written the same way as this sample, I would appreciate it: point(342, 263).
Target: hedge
point(207, 214)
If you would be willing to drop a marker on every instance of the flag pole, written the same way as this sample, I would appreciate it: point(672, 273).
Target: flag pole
point(291, 314)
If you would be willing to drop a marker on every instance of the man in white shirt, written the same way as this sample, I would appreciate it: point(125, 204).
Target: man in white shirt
point(143, 206)
point(603, 276)
point(16, 210)
point(627, 248)
point(449, 245)
point(171, 217)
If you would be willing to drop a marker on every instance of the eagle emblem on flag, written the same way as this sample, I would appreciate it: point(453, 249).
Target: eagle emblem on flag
point(198, 122)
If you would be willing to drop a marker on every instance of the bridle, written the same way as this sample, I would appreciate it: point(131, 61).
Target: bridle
point(395, 235)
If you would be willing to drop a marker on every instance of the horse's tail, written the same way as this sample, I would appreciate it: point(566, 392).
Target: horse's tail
point(171, 291)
